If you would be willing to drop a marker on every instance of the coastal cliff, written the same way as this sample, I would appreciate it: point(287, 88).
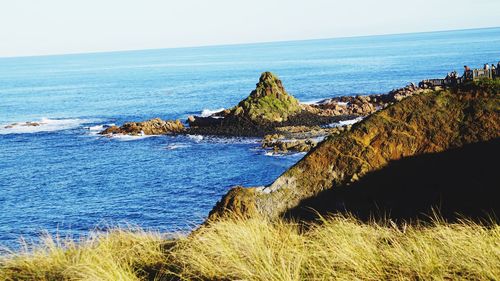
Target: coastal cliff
point(431, 122)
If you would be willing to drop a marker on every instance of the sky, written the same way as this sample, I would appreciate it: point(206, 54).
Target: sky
point(42, 27)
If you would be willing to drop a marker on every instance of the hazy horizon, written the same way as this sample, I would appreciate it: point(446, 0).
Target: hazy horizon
point(52, 27)
point(250, 43)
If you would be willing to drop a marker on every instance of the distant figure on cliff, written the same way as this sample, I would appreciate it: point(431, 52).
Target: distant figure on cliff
point(467, 72)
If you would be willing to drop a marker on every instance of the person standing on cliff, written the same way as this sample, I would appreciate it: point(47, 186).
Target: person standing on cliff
point(466, 72)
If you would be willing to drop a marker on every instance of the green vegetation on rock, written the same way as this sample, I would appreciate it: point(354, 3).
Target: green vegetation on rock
point(269, 102)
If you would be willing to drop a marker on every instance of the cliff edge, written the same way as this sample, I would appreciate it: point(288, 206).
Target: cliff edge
point(431, 122)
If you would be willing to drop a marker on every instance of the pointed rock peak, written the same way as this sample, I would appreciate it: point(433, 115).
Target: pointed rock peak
point(268, 77)
point(269, 102)
point(269, 84)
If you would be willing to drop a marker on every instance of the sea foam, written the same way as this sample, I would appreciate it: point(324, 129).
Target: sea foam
point(345, 122)
point(96, 129)
point(174, 146)
point(208, 112)
point(122, 137)
point(42, 125)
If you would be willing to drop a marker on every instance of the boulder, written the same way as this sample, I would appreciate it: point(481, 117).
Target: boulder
point(155, 126)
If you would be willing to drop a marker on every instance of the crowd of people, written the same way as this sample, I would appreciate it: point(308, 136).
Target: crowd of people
point(453, 79)
point(495, 71)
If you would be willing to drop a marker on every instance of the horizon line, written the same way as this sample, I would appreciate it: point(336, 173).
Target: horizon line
point(246, 43)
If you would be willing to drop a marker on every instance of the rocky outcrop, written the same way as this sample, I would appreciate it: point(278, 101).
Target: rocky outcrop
point(155, 126)
point(352, 106)
point(279, 144)
point(238, 202)
point(268, 103)
point(269, 108)
point(299, 138)
point(25, 124)
point(361, 105)
point(431, 122)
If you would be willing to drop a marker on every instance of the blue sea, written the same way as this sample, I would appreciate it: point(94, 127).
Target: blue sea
point(63, 178)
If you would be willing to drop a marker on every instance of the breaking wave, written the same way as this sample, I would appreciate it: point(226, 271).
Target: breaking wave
point(345, 122)
point(42, 125)
point(208, 112)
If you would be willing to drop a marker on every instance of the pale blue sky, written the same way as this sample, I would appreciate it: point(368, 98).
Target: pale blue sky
point(39, 27)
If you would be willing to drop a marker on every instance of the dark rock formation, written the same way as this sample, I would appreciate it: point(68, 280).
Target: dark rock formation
point(458, 181)
point(25, 124)
point(269, 108)
point(279, 144)
point(268, 103)
point(431, 122)
point(155, 126)
point(361, 105)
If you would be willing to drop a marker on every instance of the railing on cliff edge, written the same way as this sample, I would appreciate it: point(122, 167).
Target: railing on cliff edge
point(470, 75)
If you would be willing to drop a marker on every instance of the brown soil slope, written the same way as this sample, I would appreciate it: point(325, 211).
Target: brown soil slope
point(430, 122)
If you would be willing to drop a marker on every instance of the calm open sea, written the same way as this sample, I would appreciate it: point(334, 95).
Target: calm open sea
point(64, 178)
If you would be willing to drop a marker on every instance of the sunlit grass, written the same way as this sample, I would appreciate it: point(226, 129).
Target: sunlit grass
point(116, 255)
point(337, 248)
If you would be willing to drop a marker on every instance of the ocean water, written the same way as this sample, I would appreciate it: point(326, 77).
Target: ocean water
point(62, 177)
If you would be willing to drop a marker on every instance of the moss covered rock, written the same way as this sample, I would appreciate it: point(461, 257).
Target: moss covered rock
point(269, 102)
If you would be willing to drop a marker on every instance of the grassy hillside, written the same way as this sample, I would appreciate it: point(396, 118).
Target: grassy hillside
point(336, 248)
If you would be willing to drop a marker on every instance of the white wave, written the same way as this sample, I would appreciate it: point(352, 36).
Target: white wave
point(232, 140)
point(287, 154)
point(312, 102)
point(122, 137)
point(96, 129)
point(345, 122)
point(223, 140)
point(176, 146)
point(196, 138)
point(42, 125)
point(208, 112)
point(341, 103)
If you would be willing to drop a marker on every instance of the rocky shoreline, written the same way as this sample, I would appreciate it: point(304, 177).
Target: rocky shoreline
point(154, 126)
point(269, 112)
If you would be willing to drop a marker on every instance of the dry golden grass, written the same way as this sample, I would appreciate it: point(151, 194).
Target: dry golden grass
point(116, 255)
point(338, 248)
